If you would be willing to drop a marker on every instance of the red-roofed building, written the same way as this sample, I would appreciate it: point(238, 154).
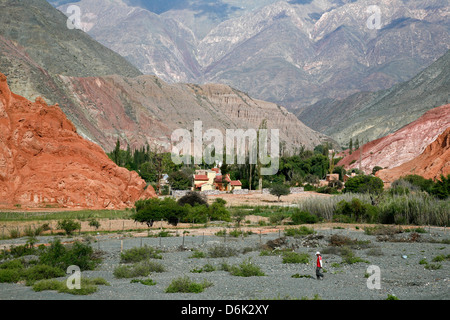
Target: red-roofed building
point(212, 180)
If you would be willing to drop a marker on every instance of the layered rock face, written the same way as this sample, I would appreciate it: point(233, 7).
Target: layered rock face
point(44, 162)
point(403, 145)
point(431, 164)
point(146, 109)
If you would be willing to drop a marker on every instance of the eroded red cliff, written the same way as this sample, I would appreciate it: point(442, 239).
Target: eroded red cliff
point(431, 164)
point(45, 162)
point(403, 145)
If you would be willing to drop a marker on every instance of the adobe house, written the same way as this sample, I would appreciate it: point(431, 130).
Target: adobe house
point(205, 180)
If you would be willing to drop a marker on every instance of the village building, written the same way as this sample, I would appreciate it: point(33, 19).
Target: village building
point(206, 180)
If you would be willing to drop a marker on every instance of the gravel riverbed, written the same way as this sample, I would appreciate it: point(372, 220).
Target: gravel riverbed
point(401, 274)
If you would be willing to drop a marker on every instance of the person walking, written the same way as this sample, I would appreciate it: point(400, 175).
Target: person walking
point(319, 266)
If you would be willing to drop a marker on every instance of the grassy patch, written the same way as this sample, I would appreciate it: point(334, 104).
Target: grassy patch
point(186, 285)
point(147, 282)
point(298, 232)
point(294, 257)
point(139, 269)
point(245, 269)
point(139, 254)
point(88, 286)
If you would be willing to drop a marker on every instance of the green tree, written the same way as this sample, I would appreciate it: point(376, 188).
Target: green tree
point(151, 210)
point(180, 180)
point(364, 184)
point(441, 188)
point(280, 190)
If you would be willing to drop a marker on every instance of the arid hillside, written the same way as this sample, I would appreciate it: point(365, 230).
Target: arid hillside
point(401, 146)
point(44, 162)
point(431, 164)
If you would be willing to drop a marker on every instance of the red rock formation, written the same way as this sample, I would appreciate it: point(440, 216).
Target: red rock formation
point(433, 162)
point(43, 161)
point(403, 145)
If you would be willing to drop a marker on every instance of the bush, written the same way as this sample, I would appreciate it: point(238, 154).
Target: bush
point(40, 272)
point(349, 257)
point(357, 210)
point(294, 257)
point(147, 282)
point(69, 226)
point(364, 184)
point(218, 211)
point(246, 269)
point(186, 285)
point(140, 269)
point(139, 254)
point(79, 254)
point(221, 251)
point(151, 210)
point(303, 217)
point(295, 232)
point(88, 286)
point(193, 198)
point(10, 275)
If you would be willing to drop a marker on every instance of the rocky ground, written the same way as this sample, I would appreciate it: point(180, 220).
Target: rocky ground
point(401, 273)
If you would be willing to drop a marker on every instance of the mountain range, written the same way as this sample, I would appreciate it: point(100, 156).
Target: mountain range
point(107, 98)
point(294, 53)
point(368, 116)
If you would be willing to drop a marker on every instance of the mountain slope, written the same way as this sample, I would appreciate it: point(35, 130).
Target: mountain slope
point(42, 31)
point(44, 162)
point(138, 110)
point(370, 115)
point(146, 109)
point(293, 53)
point(403, 145)
point(431, 164)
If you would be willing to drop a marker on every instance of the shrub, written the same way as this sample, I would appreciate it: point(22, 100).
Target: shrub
point(193, 198)
point(10, 275)
point(357, 210)
point(151, 210)
point(49, 284)
point(40, 272)
point(69, 226)
point(364, 184)
point(186, 285)
point(218, 211)
point(138, 254)
point(198, 254)
point(221, 251)
point(79, 254)
point(147, 282)
point(139, 269)
point(246, 269)
point(277, 218)
point(206, 268)
point(301, 217)
point(88, 286)
point(349, 257)
point(299, 276)
point(294, 257)
point(301, 231)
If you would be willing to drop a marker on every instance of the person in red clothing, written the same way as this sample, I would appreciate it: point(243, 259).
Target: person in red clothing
point(319, 266)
